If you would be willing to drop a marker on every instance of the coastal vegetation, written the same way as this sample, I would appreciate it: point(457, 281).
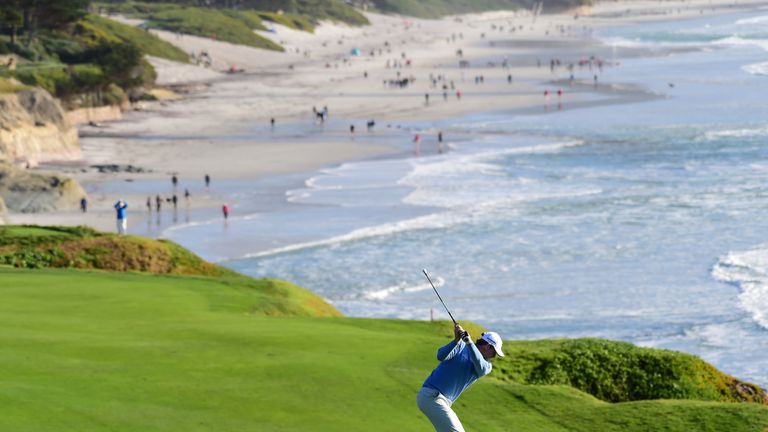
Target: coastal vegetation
point(223, 25)
point(235, 22)
point(295, 14)
point(83, 59)
point(198, 348)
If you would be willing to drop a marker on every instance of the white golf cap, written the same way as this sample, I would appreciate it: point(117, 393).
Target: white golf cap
point(494, 340)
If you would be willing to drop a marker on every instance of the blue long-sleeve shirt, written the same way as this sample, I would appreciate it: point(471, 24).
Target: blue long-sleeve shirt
point(461, 364)
point(121, 210)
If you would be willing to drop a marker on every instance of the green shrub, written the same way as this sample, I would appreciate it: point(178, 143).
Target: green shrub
point(87, 77)
point(81, 247)
point(33, 259)
point(50, 78)
point(620, 372)
point(113, 95)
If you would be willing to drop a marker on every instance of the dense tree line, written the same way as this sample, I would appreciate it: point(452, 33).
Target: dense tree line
point(67, 53)
point(27, 17)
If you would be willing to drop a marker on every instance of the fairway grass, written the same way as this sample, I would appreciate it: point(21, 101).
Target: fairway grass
point(90, 350)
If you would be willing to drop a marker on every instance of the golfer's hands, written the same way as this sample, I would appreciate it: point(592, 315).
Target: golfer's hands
point(459, 333)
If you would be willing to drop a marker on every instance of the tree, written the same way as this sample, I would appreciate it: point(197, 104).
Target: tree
point(11, 18)
point(120, 62)
point(56, 14)
point(49, 14)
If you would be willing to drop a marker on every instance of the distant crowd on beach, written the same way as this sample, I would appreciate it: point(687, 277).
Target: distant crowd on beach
point(448, 86)
point(121, 206)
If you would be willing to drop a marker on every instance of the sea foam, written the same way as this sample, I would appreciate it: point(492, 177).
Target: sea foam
point(403, 287)
point(749, 271)
point(755, 20)
point(756, 68)
point(737, 133)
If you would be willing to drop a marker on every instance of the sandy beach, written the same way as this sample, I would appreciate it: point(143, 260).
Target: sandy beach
point(221, 125)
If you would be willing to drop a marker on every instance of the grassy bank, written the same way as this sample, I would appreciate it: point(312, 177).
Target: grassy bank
point(283, 11)
point(145, 41)
point(223, 25)
point(95, 350)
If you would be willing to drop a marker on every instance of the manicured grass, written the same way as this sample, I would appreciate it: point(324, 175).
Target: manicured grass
point(14, 232)
point(135, 352)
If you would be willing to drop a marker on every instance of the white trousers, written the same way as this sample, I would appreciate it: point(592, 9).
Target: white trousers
point(438, 410)
point(122, 225)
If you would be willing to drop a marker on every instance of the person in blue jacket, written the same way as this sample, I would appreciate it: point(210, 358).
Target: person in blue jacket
point(122, 217)
point(462, 362)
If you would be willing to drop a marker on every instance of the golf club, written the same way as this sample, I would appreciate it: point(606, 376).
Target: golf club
point(441, 301)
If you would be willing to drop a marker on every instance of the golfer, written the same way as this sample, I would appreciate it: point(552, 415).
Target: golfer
point(462, 362)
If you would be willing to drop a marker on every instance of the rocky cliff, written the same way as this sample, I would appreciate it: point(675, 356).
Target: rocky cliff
point(3, 212)
point(34, 129)
point(30, 192)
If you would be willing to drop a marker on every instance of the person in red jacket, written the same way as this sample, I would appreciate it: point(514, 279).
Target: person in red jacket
point(225, 211)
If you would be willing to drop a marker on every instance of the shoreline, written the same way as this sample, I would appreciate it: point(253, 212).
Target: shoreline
point(184, 136)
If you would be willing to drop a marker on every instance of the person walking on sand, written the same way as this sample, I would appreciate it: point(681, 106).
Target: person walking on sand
point(122, 217)
point(207, 181)
point(225, 211)
point(84, 204)
point(462, 362)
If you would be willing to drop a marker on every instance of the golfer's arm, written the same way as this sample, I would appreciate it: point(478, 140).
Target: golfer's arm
point(447, 352)
point(482, 366)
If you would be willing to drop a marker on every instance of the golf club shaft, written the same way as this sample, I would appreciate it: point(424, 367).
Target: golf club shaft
point(438, 296)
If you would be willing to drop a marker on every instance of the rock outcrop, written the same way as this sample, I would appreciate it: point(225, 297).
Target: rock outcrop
point(29, 192)
point(34, 128)
point(3, 212)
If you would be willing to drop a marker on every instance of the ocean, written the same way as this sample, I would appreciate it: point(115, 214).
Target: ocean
point(644, 222)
